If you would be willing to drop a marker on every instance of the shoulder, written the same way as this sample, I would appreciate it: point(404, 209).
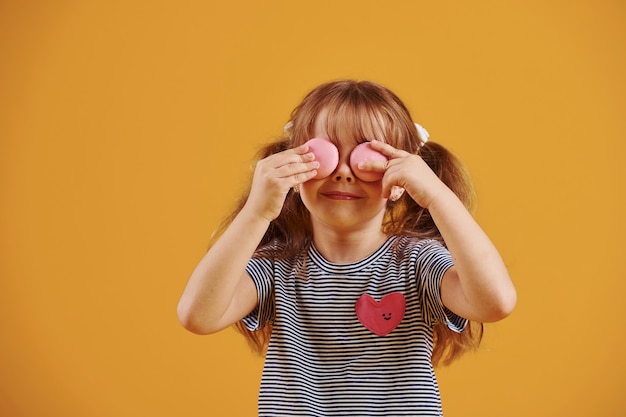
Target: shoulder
point(277, 258)
point(420, 254)
point(269, 249)
point(406, 245)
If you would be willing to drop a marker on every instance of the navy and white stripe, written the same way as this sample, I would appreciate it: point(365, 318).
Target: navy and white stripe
point(322, 361)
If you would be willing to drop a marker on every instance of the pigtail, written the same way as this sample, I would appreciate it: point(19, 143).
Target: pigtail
point(406, 217)
point(448, 344)
point(287, 236)
point(258, 340)
point(450, 170)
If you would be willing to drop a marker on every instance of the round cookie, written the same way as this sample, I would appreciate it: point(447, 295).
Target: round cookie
point(365, 152)
point(326, 154)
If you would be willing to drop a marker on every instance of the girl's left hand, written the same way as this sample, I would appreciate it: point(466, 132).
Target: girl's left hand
point(407, 171)
point(478, 286)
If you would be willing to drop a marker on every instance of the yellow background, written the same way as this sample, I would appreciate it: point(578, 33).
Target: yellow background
point(126, 130)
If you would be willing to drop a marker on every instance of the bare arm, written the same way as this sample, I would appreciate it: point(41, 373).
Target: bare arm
point(478, 286)
point(219, 291)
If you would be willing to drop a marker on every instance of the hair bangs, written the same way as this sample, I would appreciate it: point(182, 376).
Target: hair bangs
point(354, 112)
point(355, 122)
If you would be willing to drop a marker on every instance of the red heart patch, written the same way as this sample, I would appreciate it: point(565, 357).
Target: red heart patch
point(381, 317)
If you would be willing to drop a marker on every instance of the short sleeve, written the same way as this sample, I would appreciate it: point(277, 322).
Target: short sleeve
point(261, 270)
point(433, 260)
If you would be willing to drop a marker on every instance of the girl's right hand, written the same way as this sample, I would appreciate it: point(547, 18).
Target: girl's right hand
point(220, 292)
point(275, 175)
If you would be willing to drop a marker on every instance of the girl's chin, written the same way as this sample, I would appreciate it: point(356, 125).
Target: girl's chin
point(350, 219)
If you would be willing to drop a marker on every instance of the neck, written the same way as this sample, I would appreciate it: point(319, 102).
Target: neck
point(342, 247)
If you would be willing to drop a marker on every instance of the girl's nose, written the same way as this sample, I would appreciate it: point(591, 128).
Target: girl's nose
point(343, 172)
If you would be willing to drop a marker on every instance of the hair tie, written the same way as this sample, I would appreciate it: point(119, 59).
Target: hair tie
point(422, 134)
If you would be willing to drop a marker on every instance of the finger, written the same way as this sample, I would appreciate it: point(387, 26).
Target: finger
point(303, 177)
point(290, 156)
point(297, 168)
point(387, 150)
point(373, 166)
point(300, 150)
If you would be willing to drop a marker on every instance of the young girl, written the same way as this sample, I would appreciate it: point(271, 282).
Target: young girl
point(355, 275)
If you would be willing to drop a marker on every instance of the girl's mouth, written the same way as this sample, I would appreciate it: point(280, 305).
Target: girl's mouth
point(338, 195)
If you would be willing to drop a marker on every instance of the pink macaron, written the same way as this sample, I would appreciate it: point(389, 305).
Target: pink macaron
point(365, 152)
point(326, 153)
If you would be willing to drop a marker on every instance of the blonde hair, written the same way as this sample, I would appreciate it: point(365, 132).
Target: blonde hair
point(360, 111)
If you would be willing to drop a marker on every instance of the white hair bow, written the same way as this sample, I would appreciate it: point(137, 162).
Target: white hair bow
point(422, 134)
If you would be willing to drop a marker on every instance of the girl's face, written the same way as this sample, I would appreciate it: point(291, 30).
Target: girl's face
point(341, 201)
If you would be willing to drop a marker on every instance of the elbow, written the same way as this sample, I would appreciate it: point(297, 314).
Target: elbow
point(502, 306)
point(193, 321)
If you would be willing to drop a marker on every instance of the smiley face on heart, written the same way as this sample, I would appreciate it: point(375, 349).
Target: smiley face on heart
point(381, 317)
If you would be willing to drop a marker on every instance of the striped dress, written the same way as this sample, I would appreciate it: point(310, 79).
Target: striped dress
point(352, 339)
